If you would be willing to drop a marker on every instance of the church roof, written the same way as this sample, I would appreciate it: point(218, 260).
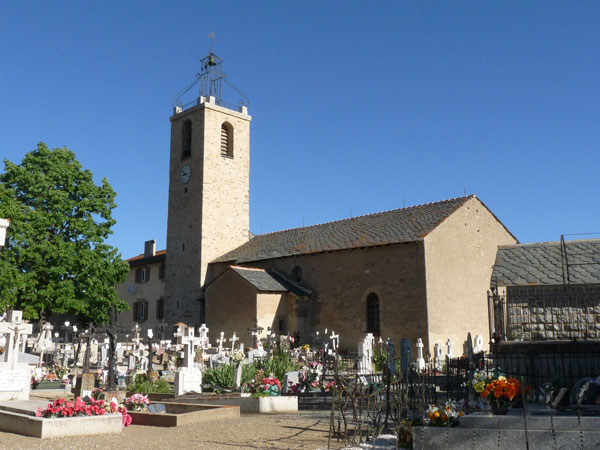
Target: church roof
point(390, 227)
point(271, 281)
point(542, 263)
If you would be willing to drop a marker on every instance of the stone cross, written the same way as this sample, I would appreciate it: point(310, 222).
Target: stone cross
point(478, 346)
point(238, 368)
point(449, 345)
point(335, 341)
point(15, 330)
point(420, 359)
point(220, 342)
point(254, 333)
point(438, 352)
point(365, 352)
point(203, 336)
point(190, 341)
point(44, 342)
point(232, 340)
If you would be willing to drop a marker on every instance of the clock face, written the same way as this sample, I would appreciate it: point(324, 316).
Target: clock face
point(186, 173)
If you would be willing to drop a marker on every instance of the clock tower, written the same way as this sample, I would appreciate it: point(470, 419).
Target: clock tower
point(209, 179)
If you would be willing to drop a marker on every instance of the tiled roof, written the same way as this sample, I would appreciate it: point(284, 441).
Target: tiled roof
point(389, 227)
point(140, 260)
point(269, 281)
point(541, 263)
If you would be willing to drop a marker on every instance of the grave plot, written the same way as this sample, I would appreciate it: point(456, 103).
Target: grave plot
point(171, 414)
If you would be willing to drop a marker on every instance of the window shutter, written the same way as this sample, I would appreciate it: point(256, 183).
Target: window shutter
point(224, 140)
point(148, 274)
point(146, 310)
point(135, 306)
point(138, 274)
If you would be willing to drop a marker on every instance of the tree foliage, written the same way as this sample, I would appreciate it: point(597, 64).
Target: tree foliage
point(55, 260)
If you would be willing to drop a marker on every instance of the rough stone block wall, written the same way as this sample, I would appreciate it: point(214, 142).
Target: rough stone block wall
point(547, 312)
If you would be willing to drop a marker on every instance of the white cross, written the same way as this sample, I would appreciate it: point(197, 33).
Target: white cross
point(335, 340)
point(15, 330)
point(220, 341)
point(232, 340)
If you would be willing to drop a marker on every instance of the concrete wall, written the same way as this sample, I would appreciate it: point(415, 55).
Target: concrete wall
point(209, 214)
point(459, 256)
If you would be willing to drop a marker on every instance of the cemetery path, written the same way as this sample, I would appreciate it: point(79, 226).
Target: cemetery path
point(294, 431)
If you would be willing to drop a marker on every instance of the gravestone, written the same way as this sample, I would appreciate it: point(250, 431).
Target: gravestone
point(405, 353)
point(85, 381)
point(391, 358)
point(188, 377)
point(365, 353)
point(420, 359)
point(14, 376)
point(438, 353)
point(478, 344)
point(44, 343)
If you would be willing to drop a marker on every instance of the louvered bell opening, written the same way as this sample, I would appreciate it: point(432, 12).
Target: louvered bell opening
point(224, 141)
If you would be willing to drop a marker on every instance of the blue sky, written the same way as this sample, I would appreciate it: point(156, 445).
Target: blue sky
point(357, 107)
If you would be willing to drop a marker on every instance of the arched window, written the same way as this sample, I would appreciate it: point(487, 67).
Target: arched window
point(186, 139)
point(373, 313)
point(227, 140)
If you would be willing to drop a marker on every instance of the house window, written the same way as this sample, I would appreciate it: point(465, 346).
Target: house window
point(140, 311)
point(142, 275)
point(373, 313)
point(160, 309)
point(282, 326)
point(186, 139)
point(227, 140)
point(161, 272)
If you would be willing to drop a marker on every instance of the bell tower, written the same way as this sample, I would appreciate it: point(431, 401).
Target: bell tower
point(209, 182)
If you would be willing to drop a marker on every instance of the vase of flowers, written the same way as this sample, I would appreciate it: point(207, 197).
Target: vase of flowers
point(137, 402)
point(443, 416)
point(497, 390)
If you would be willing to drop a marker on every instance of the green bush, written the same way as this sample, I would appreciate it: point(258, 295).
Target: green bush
point(147, 384)
point(224, 376)
point(279, 365)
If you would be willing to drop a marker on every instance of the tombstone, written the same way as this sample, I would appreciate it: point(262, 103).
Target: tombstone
point(391, 358)
point(335, 341)
point(131, 362)
point(238, 367)
point(420, 359)
point(203, 337)
point(438, 353)
point(233, 339)
point(220, 343)
point(290, 377)
point(478, 344)
point(15, 377)
point(257, 353)
point(365, 353)
point(44, 343)
point(405, 354)
point(449, 346)
point(188, 377)
point(469, 349)
point(85, 381)
point(255, 333)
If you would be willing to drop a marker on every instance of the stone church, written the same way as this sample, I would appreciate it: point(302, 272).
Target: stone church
point(421, 271)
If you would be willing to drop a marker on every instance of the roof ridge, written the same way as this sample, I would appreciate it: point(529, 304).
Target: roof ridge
point(547, 243)
point(465, 197)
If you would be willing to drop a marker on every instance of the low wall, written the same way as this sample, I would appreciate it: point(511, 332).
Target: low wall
point(38, 427)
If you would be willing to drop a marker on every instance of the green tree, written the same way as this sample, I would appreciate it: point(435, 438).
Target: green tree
point(55, 260)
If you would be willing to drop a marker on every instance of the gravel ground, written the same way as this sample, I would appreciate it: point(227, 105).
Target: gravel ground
point(302, 430)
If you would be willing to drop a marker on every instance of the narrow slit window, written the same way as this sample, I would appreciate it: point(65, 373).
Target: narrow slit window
point(373, 313)
point(186, 140)
point(227, 140)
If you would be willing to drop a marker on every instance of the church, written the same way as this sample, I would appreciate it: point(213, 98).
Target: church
point(420, 271)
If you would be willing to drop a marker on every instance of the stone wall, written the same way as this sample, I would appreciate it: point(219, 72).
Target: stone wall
point(546, 312)
point(208, 215)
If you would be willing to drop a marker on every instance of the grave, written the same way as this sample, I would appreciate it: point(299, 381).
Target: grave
point(15, 377)
point(188, 377)
point(171, 414)
point(486, 432)
point(19, 417)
